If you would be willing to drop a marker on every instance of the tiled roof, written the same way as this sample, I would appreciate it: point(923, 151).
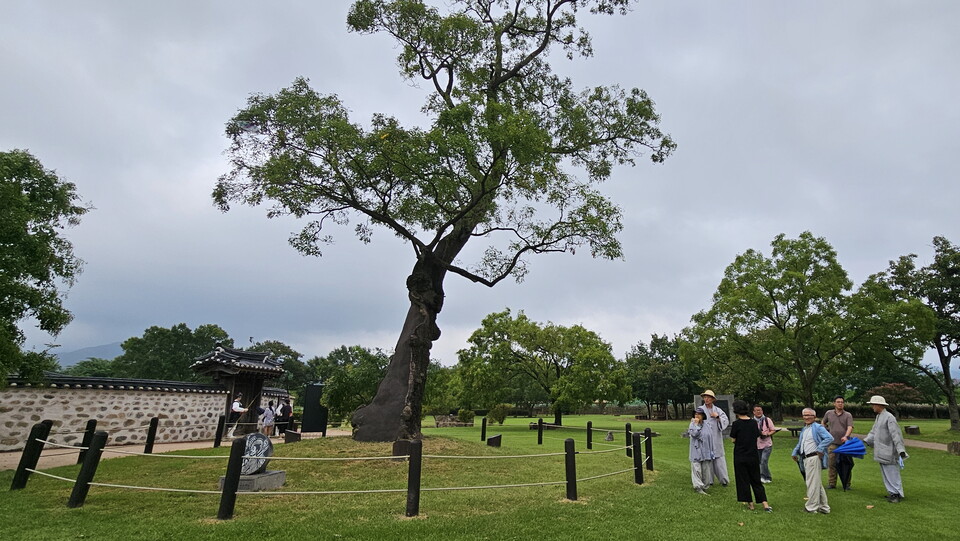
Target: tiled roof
point(232, 360)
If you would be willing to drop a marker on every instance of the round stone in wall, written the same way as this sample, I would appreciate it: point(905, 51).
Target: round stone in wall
point(259, 447)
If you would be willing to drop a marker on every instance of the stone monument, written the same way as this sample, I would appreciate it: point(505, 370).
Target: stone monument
point(254, 475)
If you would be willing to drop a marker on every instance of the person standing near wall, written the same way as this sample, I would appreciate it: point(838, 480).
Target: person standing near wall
point(236, 410)
point(268, 420)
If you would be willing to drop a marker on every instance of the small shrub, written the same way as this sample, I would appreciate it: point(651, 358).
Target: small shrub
point(465, 415)
point(498, 413)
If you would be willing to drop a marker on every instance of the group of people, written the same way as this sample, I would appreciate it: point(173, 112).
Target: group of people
point(752, 437)
point(269, 419)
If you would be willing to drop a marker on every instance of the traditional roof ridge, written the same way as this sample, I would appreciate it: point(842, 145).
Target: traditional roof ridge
point(232, 360)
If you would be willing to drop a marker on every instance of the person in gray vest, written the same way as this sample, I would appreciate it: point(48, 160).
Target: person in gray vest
point(888, 448)
point(716, 422)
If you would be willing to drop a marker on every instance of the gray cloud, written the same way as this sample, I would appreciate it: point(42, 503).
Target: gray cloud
point(838, 118)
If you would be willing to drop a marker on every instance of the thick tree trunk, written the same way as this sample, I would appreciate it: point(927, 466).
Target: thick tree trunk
point(395, 411)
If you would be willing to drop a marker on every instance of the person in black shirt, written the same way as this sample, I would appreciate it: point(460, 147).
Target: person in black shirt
point(746, 461)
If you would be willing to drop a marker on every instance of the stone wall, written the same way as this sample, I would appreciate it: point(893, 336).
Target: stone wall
point(186, 414)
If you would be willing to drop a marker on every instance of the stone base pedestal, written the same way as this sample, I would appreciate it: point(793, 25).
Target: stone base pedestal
point(268, 480)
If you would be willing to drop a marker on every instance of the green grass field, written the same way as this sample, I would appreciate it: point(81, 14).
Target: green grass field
point(665, 507)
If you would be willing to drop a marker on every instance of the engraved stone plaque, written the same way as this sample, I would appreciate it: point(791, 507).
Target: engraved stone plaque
point(260, 447)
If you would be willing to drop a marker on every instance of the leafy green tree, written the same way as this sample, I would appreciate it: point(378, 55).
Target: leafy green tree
point(492, 161)
point(794, 312)
point(350, 376)
point(297, 374)
point(937, 286)
point(94, 367)
point(167, 354)
point(571, 365)
point(441, 393)
point(36, 261)
point(657, 375)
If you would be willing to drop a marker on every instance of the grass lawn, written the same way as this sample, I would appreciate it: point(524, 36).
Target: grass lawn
point(665, 507)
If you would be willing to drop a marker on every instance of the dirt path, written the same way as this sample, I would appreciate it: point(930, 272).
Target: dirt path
point(917, 443)
point(53, 457)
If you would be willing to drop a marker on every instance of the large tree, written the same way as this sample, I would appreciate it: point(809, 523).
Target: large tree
point(36, 261)
point(494, 160)
point(937, 285)
point(167, 354)
point(794, 311)
point(571, 365)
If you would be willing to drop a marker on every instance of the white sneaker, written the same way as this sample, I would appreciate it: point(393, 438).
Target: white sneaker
point(766, 481)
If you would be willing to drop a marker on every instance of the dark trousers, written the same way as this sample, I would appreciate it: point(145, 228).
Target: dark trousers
point(747, 476)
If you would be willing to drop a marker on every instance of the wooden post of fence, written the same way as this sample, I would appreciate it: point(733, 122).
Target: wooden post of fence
point(648, 435)
point(151, 435)
point(231, 480)
point(413, 478)
point(571, 468)
point(218, 438)
point(540, 431)
point(89, 468)
point(483, 429)
point(589, 434)
point(87, 439)
point(31, 454)
point(637, 460)
point(627, 431)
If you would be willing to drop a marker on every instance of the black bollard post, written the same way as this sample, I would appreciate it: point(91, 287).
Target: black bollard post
point(87, 439)
point(31, 454)
point(483, 429)
point(637, 460)
point(589, 434)
point(87, 470)
point(218, 439)
point(151, 435)
point(413, 478)
point(540, 431)
point(231, 481)
point(648, 434)
point(571, 468)
point(627, 430)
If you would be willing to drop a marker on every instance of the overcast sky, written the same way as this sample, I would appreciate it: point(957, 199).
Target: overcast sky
point(840, 118)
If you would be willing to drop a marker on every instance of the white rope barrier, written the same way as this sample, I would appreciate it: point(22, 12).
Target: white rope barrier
point(593, 428)
point(55, 444)
point(157, 489)
point(328, 459)
point(305, 492)
point(118, 451)
point(495, 486)
point(492, 456)
point(51, 475)
point(603, 451)
point(605, 475)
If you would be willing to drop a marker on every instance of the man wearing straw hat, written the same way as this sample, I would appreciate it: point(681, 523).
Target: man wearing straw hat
point(888, 448)
point(715, 423)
